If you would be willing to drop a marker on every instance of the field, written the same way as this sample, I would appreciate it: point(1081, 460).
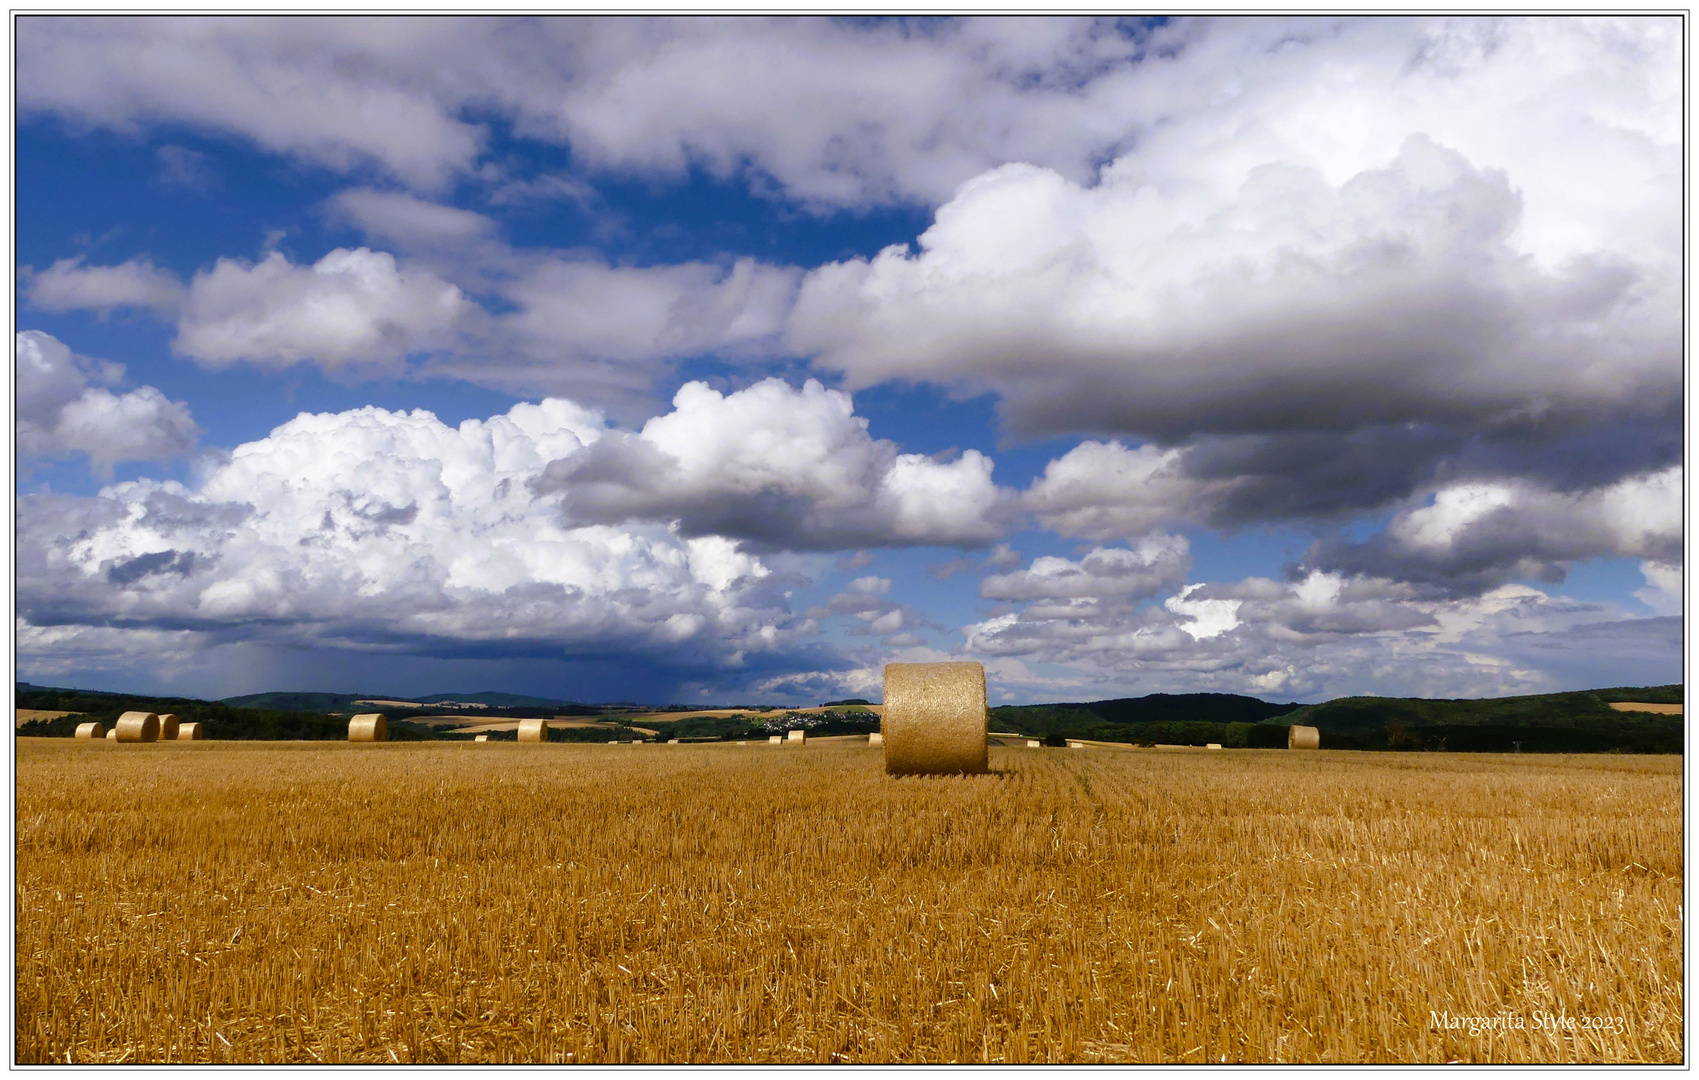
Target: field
point(430, 902)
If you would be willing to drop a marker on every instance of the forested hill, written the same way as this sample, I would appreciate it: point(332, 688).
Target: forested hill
point(1579, 722)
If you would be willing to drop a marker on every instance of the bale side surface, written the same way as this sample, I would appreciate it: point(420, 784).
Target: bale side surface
point(1299, 737)
point(137, 727)
point(168, 725)
point(935, 719)
point(190, 732)
point(368, 727)
point(94, 729)
point(533, 731)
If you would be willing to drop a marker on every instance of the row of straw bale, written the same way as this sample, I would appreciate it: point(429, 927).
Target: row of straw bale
point(142, 727)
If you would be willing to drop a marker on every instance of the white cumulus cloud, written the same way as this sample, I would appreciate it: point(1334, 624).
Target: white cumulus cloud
point(59, 413)
point(784, 467)
point(382, 530)
point(353, 306)
point(68, 285)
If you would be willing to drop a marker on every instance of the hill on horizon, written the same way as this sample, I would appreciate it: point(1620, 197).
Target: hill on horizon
point(314, 701)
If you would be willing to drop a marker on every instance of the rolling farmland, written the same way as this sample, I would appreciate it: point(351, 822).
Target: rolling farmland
point(430, 902)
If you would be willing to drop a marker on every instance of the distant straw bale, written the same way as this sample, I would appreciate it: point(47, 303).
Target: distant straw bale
point(533, 731)
point(480, 738)
point(1075, 744)
point(1034, 742)
point(1212, 746)
point(935, 719)
point(876, 739)
point(112, 736)
point(137, 727)
point(775, 738)
point(94, 729)
point(672, 742)
point(368, 727)
point(167, 727)
point(1299, 737)
point(796, 736)
point(190, 732)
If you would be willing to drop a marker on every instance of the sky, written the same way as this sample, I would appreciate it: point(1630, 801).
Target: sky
point(685, 360)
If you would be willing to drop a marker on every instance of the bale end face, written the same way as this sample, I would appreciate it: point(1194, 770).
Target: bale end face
point(368, 727)
point(94, 729)
point(191, 732)
point(137, 727)
point(533, 731)
point(935, 720)
point(1299, 737)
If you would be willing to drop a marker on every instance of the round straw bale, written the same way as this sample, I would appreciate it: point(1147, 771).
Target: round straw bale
point(368, 727)
point(1299, 737)
point(775, 738)
point(94, 729)
point(137, 727)
point(190, 732)
point(112, 736)
point(796, 736)
point(1075, 744)
point(935, 718)
point(480, 738)
point(672, 742)
point(1033, 742)
point(1212, 746)
point(533, 731)
point(876, 739)
point(167, 726)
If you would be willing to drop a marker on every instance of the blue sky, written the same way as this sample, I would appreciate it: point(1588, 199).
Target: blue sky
point(684, 360)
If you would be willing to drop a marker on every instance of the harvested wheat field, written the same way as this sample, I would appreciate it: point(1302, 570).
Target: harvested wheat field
point(421, 902)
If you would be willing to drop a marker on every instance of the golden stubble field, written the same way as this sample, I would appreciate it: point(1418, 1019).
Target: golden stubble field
point(266, 902)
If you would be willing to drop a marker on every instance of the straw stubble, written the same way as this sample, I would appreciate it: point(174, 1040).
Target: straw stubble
point(311, 902)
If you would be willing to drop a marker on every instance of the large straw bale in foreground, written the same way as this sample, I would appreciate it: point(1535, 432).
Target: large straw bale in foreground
point(137, 727)
point(168, 725)
point(935, 719)
point(94, 729)
point(368, 727)
point(190, 732)
point(1299, 737)
point(533, 731)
